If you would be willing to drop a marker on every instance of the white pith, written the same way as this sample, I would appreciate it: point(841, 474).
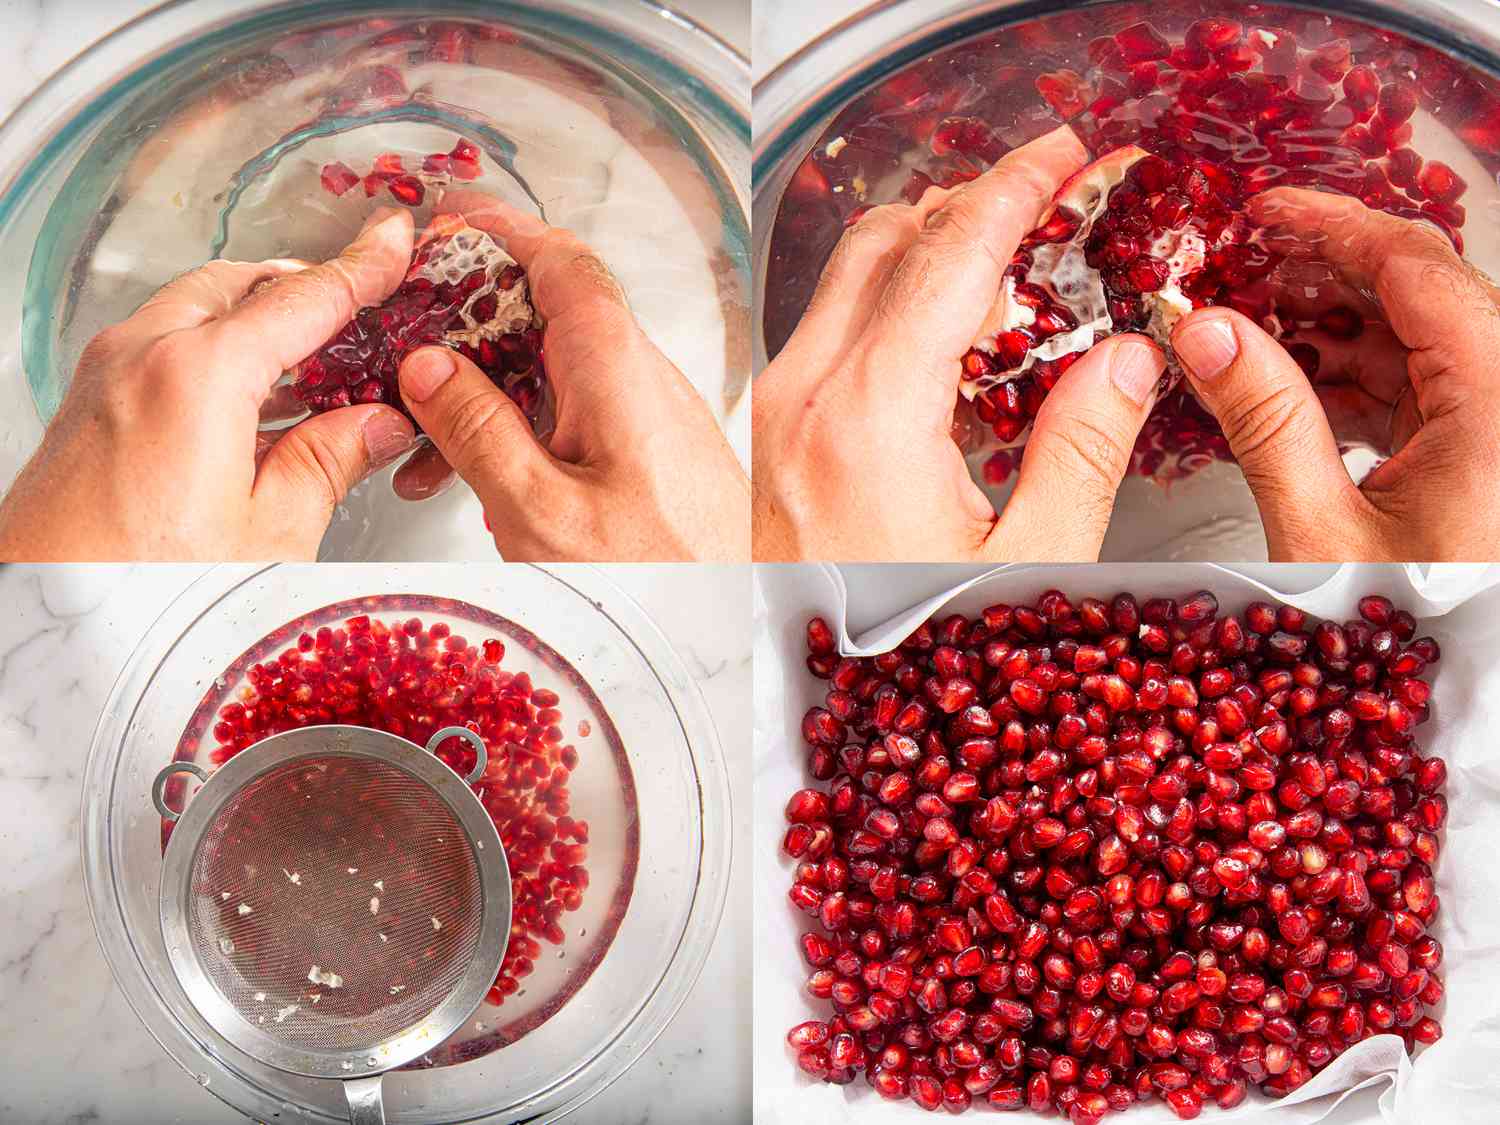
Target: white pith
point(1060, 268)
point(466, 250)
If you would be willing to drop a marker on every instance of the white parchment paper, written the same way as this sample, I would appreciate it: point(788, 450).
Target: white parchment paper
point(1454, 1082)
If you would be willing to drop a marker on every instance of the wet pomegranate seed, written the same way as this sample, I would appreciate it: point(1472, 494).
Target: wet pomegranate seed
point(338, 178)
point(1084, 853)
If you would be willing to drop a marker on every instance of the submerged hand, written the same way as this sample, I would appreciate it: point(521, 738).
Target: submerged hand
point(1423, 377)
point(637, 468)
point(854, 455)
point(155, 452)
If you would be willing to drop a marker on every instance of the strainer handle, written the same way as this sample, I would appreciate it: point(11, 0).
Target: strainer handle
point(472, 739)
point(365, 1104)
point(159, 786)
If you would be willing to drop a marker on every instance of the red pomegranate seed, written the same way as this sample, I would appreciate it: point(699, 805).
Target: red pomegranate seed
point(407, 190)
point(1121, 851)
point(463, 160)
point(1341, 322)
point(1440, 183)
point(337, 178)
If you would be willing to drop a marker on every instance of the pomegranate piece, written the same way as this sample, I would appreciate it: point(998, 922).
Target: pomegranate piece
point(462, 291)
point(1088, 852)
point(1132, 242)
point(411, 678)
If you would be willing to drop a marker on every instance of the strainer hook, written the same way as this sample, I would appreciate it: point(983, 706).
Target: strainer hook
point(472, 739)
point(158, 787)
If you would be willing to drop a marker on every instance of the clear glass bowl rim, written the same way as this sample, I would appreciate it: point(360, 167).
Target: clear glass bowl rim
point(34, 127)
point(572, 1090)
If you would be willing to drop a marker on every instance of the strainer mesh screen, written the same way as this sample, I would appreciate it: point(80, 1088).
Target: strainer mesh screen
point(335, 902)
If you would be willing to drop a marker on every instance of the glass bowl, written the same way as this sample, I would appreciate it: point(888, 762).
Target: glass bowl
point(858, 118)
point(650, 781)
point(201, 129)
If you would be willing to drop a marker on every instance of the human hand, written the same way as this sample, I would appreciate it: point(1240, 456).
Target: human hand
point(854, 454)
point(1417, 382)
point(636, 469)
point(155, 454)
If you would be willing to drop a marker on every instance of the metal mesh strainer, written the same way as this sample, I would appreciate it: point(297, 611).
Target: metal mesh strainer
point(335, 901)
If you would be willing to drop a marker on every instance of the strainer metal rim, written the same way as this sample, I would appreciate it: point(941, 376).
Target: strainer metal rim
point(334, 740)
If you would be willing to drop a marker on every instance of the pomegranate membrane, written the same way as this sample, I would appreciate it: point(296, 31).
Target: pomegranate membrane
point(1072, 856)
point(1187, 122)
point(461, 291)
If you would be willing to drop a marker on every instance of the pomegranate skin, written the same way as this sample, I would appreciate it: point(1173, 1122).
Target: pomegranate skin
point(1140, 857)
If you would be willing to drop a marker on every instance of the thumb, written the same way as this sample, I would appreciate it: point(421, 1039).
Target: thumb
point(312, 467)
point(1078, 453)
point(1277, 430)
point(480, 432)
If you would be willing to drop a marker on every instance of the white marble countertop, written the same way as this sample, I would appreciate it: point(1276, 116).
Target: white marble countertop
point(72, 1051)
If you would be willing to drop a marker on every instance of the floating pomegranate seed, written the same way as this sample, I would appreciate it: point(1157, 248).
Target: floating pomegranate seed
point(463, 160)
point(407, 190)
point(338, 178)
point(1143, 851)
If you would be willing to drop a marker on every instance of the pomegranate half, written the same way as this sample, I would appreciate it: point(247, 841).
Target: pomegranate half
point(462, 291)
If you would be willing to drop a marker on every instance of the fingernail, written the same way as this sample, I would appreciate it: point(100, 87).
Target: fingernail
point(387, 435)
point(424, 372)
point(1206, 347)
point(1135, 368)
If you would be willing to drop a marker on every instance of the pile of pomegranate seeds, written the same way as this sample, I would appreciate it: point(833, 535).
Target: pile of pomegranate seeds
point(412, 679)
point(1225, 109)
point(389, 172)
point(1075, 856)
point(463, 291)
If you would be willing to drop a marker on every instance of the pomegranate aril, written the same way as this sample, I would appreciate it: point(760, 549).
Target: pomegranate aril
point(1341, 322)
point(337, 178)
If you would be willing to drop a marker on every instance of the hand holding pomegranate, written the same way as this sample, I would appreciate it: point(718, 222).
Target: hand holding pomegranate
point(1417, 381)
point(155, 454)
point(854, 453)
point(636, 468)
